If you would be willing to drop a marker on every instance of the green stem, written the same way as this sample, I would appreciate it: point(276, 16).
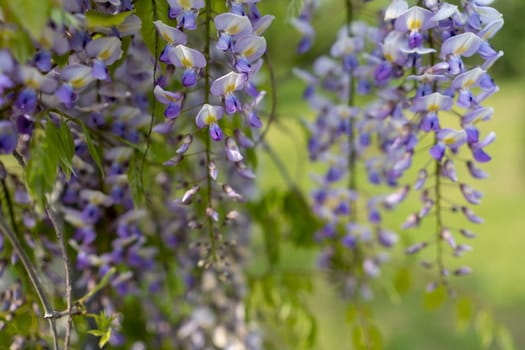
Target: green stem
point(58, 226)
point(273, 93)
point(154, 101)
point(207, 55)
point(437, 189)
point(352, 154)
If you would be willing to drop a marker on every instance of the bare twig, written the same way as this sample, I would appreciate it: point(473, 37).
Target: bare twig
point(33, 277)
point(273, 93)
point(58, 226)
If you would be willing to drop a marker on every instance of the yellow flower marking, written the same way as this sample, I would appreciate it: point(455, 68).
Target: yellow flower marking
point(104, 54)
point(234, 29)
point(230, 88)
point(210, 119)
point(249, 51)
point(433, 107)
point(186, 62)
point(185, 4)
point(78, 82)
point(414, 24)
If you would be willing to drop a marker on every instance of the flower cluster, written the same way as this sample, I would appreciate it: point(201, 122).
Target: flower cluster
point(428, 66)
point(86, 100)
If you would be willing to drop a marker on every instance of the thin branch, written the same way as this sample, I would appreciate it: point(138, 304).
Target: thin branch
point(33, 277)
point(273, 93)
point(207, 76)
point(58, 226)
point(154, 102)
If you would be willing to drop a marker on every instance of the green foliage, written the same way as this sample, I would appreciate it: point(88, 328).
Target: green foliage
point(135, 179)
point(103, 329)
point(28, 14)
point(41, 169)
point(148, 12)
point(504, 338)
point(18, 41)
point(485, 328)
point(277, 302)
point(60, 141)
point(403, 280)
point(434, 299)
point(366, 337)
point(94, 151)
point(464, 312)
point(96, 19)
point(284, 215)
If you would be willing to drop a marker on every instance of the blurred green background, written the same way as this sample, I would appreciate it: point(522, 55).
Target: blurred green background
point(497, 285)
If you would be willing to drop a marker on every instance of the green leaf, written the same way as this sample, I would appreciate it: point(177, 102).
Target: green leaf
point(485, 328)
point(145, 11)
point(403, 280)
point(96, 19)
point(104, 339)
point(18, 42)
point(366, 337)
point(303, 224)
point(135, 179)
point(60, 141)
point(434, 299)
point(504, 337)
point(41, 169)
point(94, 151)
point(464, 312)
point(31, 15)
point(351, 313)
point(103, 330)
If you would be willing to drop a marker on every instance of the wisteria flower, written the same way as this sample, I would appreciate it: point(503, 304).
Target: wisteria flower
point(172, 100)
point(8, 137)
point(231, 26)
point(247, 50)
point(429, 105)
point(461, 45)
point(105, 51)
point(190, 59)
point(448, 138)
point(208, 116)
point(414, 20)
point(172, 36)
point(76, 77)
point(185, 11)
point(225, 87)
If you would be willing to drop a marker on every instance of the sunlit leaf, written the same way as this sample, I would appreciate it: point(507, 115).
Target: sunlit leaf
point(94, 151)
point(485, 328)
point(148, 14)
point(29, 14)
point(41, 168)
point(434, 299)
point(135, 179)
point(464, 312)
point(403, 280)
point(96, 19)
point(366, 337)
point(504, 338)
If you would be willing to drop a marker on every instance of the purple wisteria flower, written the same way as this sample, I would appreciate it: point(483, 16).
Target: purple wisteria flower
point(172, 100)
point(231, 27)
point(188, 58)
point(185, 12)
point(225, 88)
point(208, 116)
point(104, 51)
